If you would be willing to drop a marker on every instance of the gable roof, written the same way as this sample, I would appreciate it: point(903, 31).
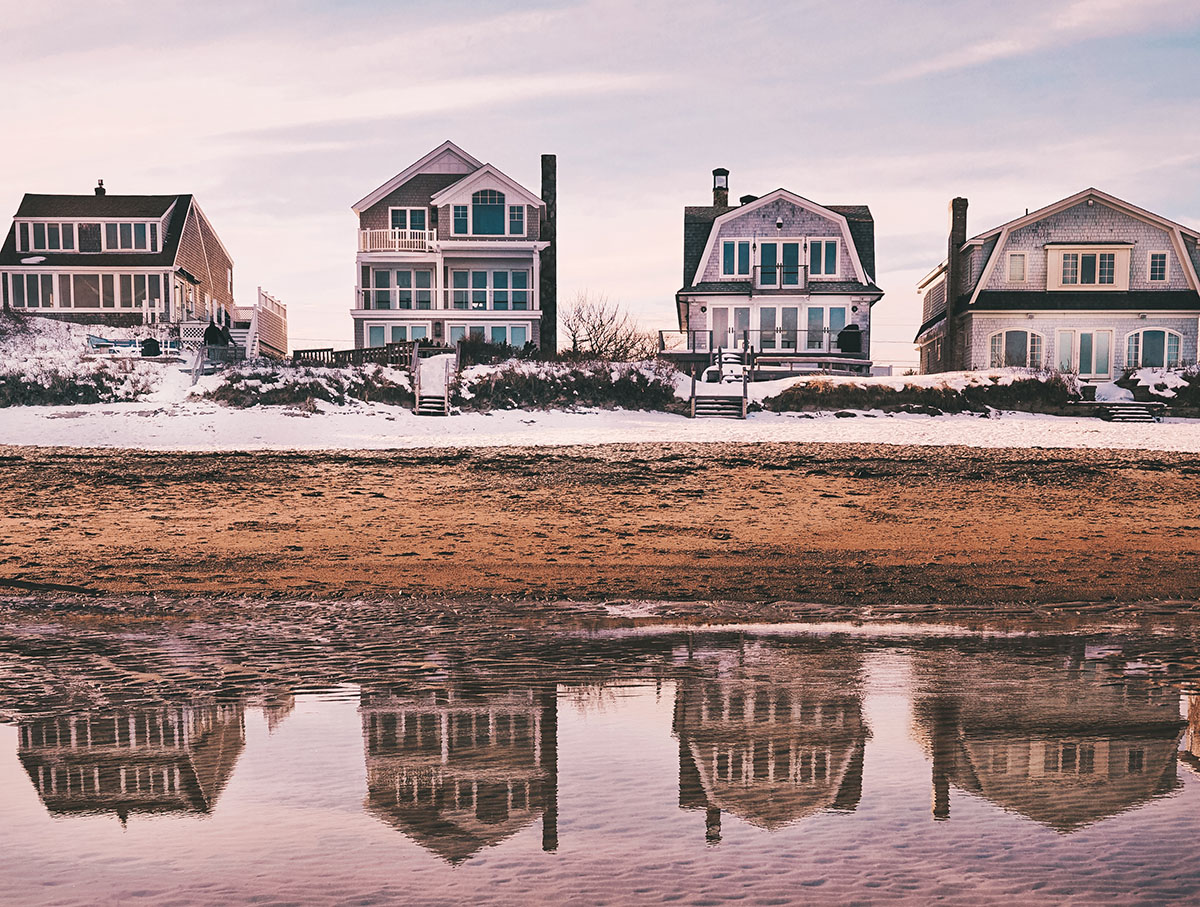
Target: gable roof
point(855, 220)
point(486, 173)
point(1002, 232)
point(174, 207)
point(447, 151)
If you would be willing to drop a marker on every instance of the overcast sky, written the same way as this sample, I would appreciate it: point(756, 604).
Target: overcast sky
point(278, 116)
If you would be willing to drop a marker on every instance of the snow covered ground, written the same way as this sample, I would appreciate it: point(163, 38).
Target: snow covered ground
point(201, 425)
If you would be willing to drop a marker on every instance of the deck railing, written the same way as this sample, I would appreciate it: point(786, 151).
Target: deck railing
point(389, 354)
point(395, 240)
point(800, 341)
point(423, 299)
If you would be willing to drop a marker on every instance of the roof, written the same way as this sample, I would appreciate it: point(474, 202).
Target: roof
point(489, 173)
point(443, 152)
point(698, 223)
point(102, 206)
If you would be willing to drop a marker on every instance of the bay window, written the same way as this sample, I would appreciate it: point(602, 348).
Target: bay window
point(1016, 349)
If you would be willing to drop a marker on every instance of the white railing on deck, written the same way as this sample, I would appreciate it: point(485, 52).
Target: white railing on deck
point(395, 240)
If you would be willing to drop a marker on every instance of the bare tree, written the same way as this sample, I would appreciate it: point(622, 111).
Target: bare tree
point(595, 327)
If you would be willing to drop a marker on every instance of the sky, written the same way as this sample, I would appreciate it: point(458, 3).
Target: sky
point(279, 116)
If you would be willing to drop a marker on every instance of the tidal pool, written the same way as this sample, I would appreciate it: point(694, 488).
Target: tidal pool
point(758, 765)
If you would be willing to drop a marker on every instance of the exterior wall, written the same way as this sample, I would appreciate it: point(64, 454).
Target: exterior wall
point(533, 227)
point(797, 223)
point(980, 326)
point(201, 255)
point(409, 195)
point(1083, 224)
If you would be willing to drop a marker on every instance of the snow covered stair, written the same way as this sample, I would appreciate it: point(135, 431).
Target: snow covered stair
point(433, 385)
point(1129, 411)
point(728, 406)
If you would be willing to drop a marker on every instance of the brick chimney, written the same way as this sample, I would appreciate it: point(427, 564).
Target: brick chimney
point(720, 188)
point(954, 287)
point(548, 274)
point(99, 187)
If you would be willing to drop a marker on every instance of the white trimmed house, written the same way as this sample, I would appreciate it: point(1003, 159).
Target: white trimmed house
point(1090, 284)
point(447, 249)
point(791, 280)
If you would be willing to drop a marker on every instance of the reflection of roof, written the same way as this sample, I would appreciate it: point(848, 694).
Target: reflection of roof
point(1069, 801)
point(150, 777)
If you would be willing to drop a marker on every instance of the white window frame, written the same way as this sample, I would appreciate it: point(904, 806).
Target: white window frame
point(778, 242)
point(1029, 348)
point(735, 273)
point(1073, 337)
point(524, 220)
point(408, 217)
point(30, 233)
point(837, 257)
point(387, 326)
point(1054, 268)
point(1166, 278)
point(1012, 256)
point(1167, 363)
point(487, 327)
point(531, 302)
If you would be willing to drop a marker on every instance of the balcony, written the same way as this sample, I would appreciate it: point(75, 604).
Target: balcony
point(395, 240)
point(801, 343)
point(426, 299)
point(782, 279)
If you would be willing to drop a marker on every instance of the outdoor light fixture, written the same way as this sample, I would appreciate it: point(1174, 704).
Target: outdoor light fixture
point(779, 223)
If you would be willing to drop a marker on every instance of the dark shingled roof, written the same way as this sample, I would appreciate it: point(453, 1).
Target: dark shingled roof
point(81, 207)
point(429, 184)
point(698, 221)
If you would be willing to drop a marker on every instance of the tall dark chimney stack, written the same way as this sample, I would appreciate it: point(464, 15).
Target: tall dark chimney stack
point(954, 281)
point(548, 282)
point(99, 187)
point(720, 188)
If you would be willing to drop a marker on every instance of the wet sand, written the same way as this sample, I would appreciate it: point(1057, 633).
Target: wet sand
point(763, 529)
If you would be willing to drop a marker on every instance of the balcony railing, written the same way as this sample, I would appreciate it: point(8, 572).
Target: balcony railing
point(781, 278)
point(846, 342)
point(417, 299)
point(395, 240)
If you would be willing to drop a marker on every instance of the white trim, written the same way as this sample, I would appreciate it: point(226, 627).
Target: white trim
point(1029, 335)
point(794, 199)
point(407, 209)
point(1168, 333)
point(466, 186)
point(735, 274)
point(1054, 268)
point(1074, 337)
point(412, 170)
point(836, 275)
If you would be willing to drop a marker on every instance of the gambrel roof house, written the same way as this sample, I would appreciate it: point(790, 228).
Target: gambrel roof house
point(116, 259)
point(788, 278)
point(1090, 284)
point(452, 247)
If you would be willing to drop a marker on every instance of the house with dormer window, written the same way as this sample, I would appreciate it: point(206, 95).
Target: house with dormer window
point(779, 276)
point(1091, 285)
point(452, 248)
point(119, 260)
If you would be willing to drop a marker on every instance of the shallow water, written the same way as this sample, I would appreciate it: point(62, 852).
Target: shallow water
point(761, 765)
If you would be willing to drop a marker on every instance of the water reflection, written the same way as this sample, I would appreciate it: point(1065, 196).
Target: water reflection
point(1063, 739)
point(459, 767)
point(169, 759)
point(769, 735)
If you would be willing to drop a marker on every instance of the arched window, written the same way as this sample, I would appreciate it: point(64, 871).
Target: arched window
point(487, 212)
point(1022, 349)
point(1153, 349)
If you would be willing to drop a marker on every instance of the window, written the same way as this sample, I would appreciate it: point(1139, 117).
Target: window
point(823, 257)
point(407, 218)
point(383, 293)
point(779, 264)
point(56, 237)
point(23, 238)
point(487, 213)
point(1016, 267)
point(1016, 349)
point(516, 220)
point(375, 335)
point(1076, 269)
point(1153, 349)
point(460, 219)
point(498, 290)
point(735, 258)
point(87, 291)
point(89, 238)
point(768, 258)
point(824, 324)
point(131, 237)
point(1158, 266)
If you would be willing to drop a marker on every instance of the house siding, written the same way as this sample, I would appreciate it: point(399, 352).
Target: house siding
point(1098, 223)
point(797, 222)
point(201, 255)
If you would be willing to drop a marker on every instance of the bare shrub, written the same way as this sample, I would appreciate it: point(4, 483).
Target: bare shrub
point(596, 328)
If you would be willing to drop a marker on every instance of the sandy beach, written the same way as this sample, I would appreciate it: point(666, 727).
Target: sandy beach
point(875, 529)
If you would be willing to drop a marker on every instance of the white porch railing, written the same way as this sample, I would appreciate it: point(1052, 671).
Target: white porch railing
point(395, 240)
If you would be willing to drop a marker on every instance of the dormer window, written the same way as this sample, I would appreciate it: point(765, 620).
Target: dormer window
point(131, 237)
point(1084, 268)
point(487, 213)
point(46, 237)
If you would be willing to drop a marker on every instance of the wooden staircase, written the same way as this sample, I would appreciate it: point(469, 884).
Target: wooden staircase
point(431, 405)
point(723, 407)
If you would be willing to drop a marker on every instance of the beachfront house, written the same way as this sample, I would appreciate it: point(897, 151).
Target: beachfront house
point(116, 260)
point(780, 276)
point(451, 248)
point(1090, 284)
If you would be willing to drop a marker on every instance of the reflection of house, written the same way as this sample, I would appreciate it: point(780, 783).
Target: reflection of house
point(458, 772)
point(166, 759)
point(1065, 742)
point(770, 736)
